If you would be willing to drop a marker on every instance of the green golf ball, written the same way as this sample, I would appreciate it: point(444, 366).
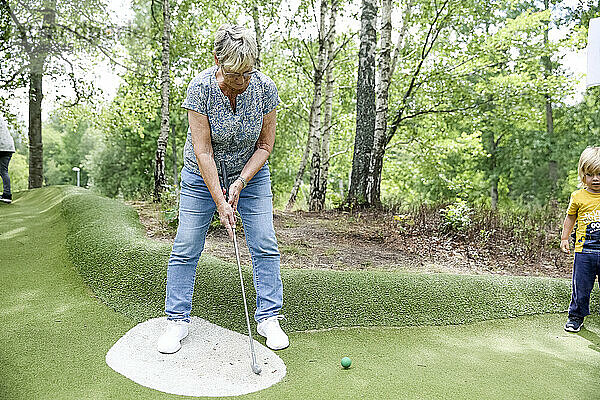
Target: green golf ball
point(346, 361)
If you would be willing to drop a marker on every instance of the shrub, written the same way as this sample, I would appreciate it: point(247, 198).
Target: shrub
point(457, 216)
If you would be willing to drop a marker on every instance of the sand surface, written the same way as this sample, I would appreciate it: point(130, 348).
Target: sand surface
point(213, 361)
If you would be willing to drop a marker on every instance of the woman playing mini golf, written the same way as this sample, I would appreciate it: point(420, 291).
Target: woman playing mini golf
point(232, 118)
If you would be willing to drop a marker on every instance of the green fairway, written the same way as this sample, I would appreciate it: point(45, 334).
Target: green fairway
point(521, 358)
point(55, 334)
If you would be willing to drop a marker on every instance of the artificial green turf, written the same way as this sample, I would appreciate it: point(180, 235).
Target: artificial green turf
point(55, 335)
point(528, 357)
point(127, 271)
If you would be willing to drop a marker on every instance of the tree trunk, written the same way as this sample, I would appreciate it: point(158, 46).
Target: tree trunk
point(552, 164)
point(494, 193)
point(315, 112)
point(365, 105)
point(37, 57)
point(492, 149)
point(315, 146)
point(299, 175)
point(319, 185)
point(161, 147)
point(490, 143)
point(373, 190)
point(386, 71)
point(36, 152)
point(258, 32)
point(400, 42)
point(387, 66)
point(326, 134)
point(327, 111)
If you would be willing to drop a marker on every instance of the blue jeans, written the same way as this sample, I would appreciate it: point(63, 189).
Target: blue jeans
point(196, 209)
point(585, 270)
point(4, 160)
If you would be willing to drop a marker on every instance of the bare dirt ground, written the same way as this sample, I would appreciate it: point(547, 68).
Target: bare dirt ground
point(371, 240)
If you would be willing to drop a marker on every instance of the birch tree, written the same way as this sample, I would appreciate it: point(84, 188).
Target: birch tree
point(313, 150)
point(258, 31)
point(381, 104)
point(315, 109)
point(384, 134)
point(161, 148)
point(365, 105)
point(387, 65)
point(547, 64)
point(322, 129)
point(317, 198)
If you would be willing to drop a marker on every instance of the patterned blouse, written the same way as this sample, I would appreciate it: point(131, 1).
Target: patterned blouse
point(233, 134)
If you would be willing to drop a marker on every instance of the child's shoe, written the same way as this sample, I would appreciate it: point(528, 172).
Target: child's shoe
point(574, 324)
point(6, 198)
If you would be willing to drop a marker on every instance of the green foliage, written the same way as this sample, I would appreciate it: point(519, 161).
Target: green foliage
point(474, 118)
point(18, 170)
point(69, 140)
point(57, 45)
point(457, 216)
point(489, 70)
point(124, 163)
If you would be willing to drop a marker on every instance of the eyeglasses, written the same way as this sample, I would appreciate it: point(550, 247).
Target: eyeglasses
point(234, 75)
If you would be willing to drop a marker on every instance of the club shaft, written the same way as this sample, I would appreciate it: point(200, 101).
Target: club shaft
point(237, 256)
point(255, 367)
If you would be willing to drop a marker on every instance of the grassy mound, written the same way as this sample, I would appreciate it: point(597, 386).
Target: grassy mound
point(127, 271)
point(55, 336)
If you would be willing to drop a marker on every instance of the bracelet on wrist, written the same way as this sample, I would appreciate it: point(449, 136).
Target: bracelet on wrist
point(244, 183)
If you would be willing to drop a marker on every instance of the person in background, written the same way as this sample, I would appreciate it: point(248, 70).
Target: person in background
point(7, 148)
point(584, 208)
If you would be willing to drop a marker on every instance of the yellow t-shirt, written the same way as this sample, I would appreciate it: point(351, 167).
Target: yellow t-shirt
point(586, 206)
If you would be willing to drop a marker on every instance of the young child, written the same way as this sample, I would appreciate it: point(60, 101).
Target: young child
point(584, 208)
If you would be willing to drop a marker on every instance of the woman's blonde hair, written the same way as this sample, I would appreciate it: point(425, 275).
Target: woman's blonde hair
point(235, 48)
point(589, 163)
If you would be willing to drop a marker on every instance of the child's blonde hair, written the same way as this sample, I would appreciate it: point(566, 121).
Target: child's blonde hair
point(589, 163)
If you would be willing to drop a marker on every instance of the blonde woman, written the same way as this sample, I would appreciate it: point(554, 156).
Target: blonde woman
point(232, 117)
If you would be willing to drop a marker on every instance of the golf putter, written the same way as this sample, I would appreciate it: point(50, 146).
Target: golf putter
point(255, 368)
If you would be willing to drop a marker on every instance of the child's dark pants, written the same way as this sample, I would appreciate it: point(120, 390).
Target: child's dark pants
point(585, 270)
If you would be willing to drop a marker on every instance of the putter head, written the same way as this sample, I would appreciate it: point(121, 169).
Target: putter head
point(256, 369)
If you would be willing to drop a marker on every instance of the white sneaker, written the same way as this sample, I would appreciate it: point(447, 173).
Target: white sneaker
point(170, 341)
point(276, 337)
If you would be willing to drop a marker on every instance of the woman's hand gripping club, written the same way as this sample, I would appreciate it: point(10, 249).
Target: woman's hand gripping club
point(226, 209)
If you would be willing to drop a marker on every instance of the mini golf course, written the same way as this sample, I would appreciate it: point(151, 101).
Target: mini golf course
point(78, 273)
